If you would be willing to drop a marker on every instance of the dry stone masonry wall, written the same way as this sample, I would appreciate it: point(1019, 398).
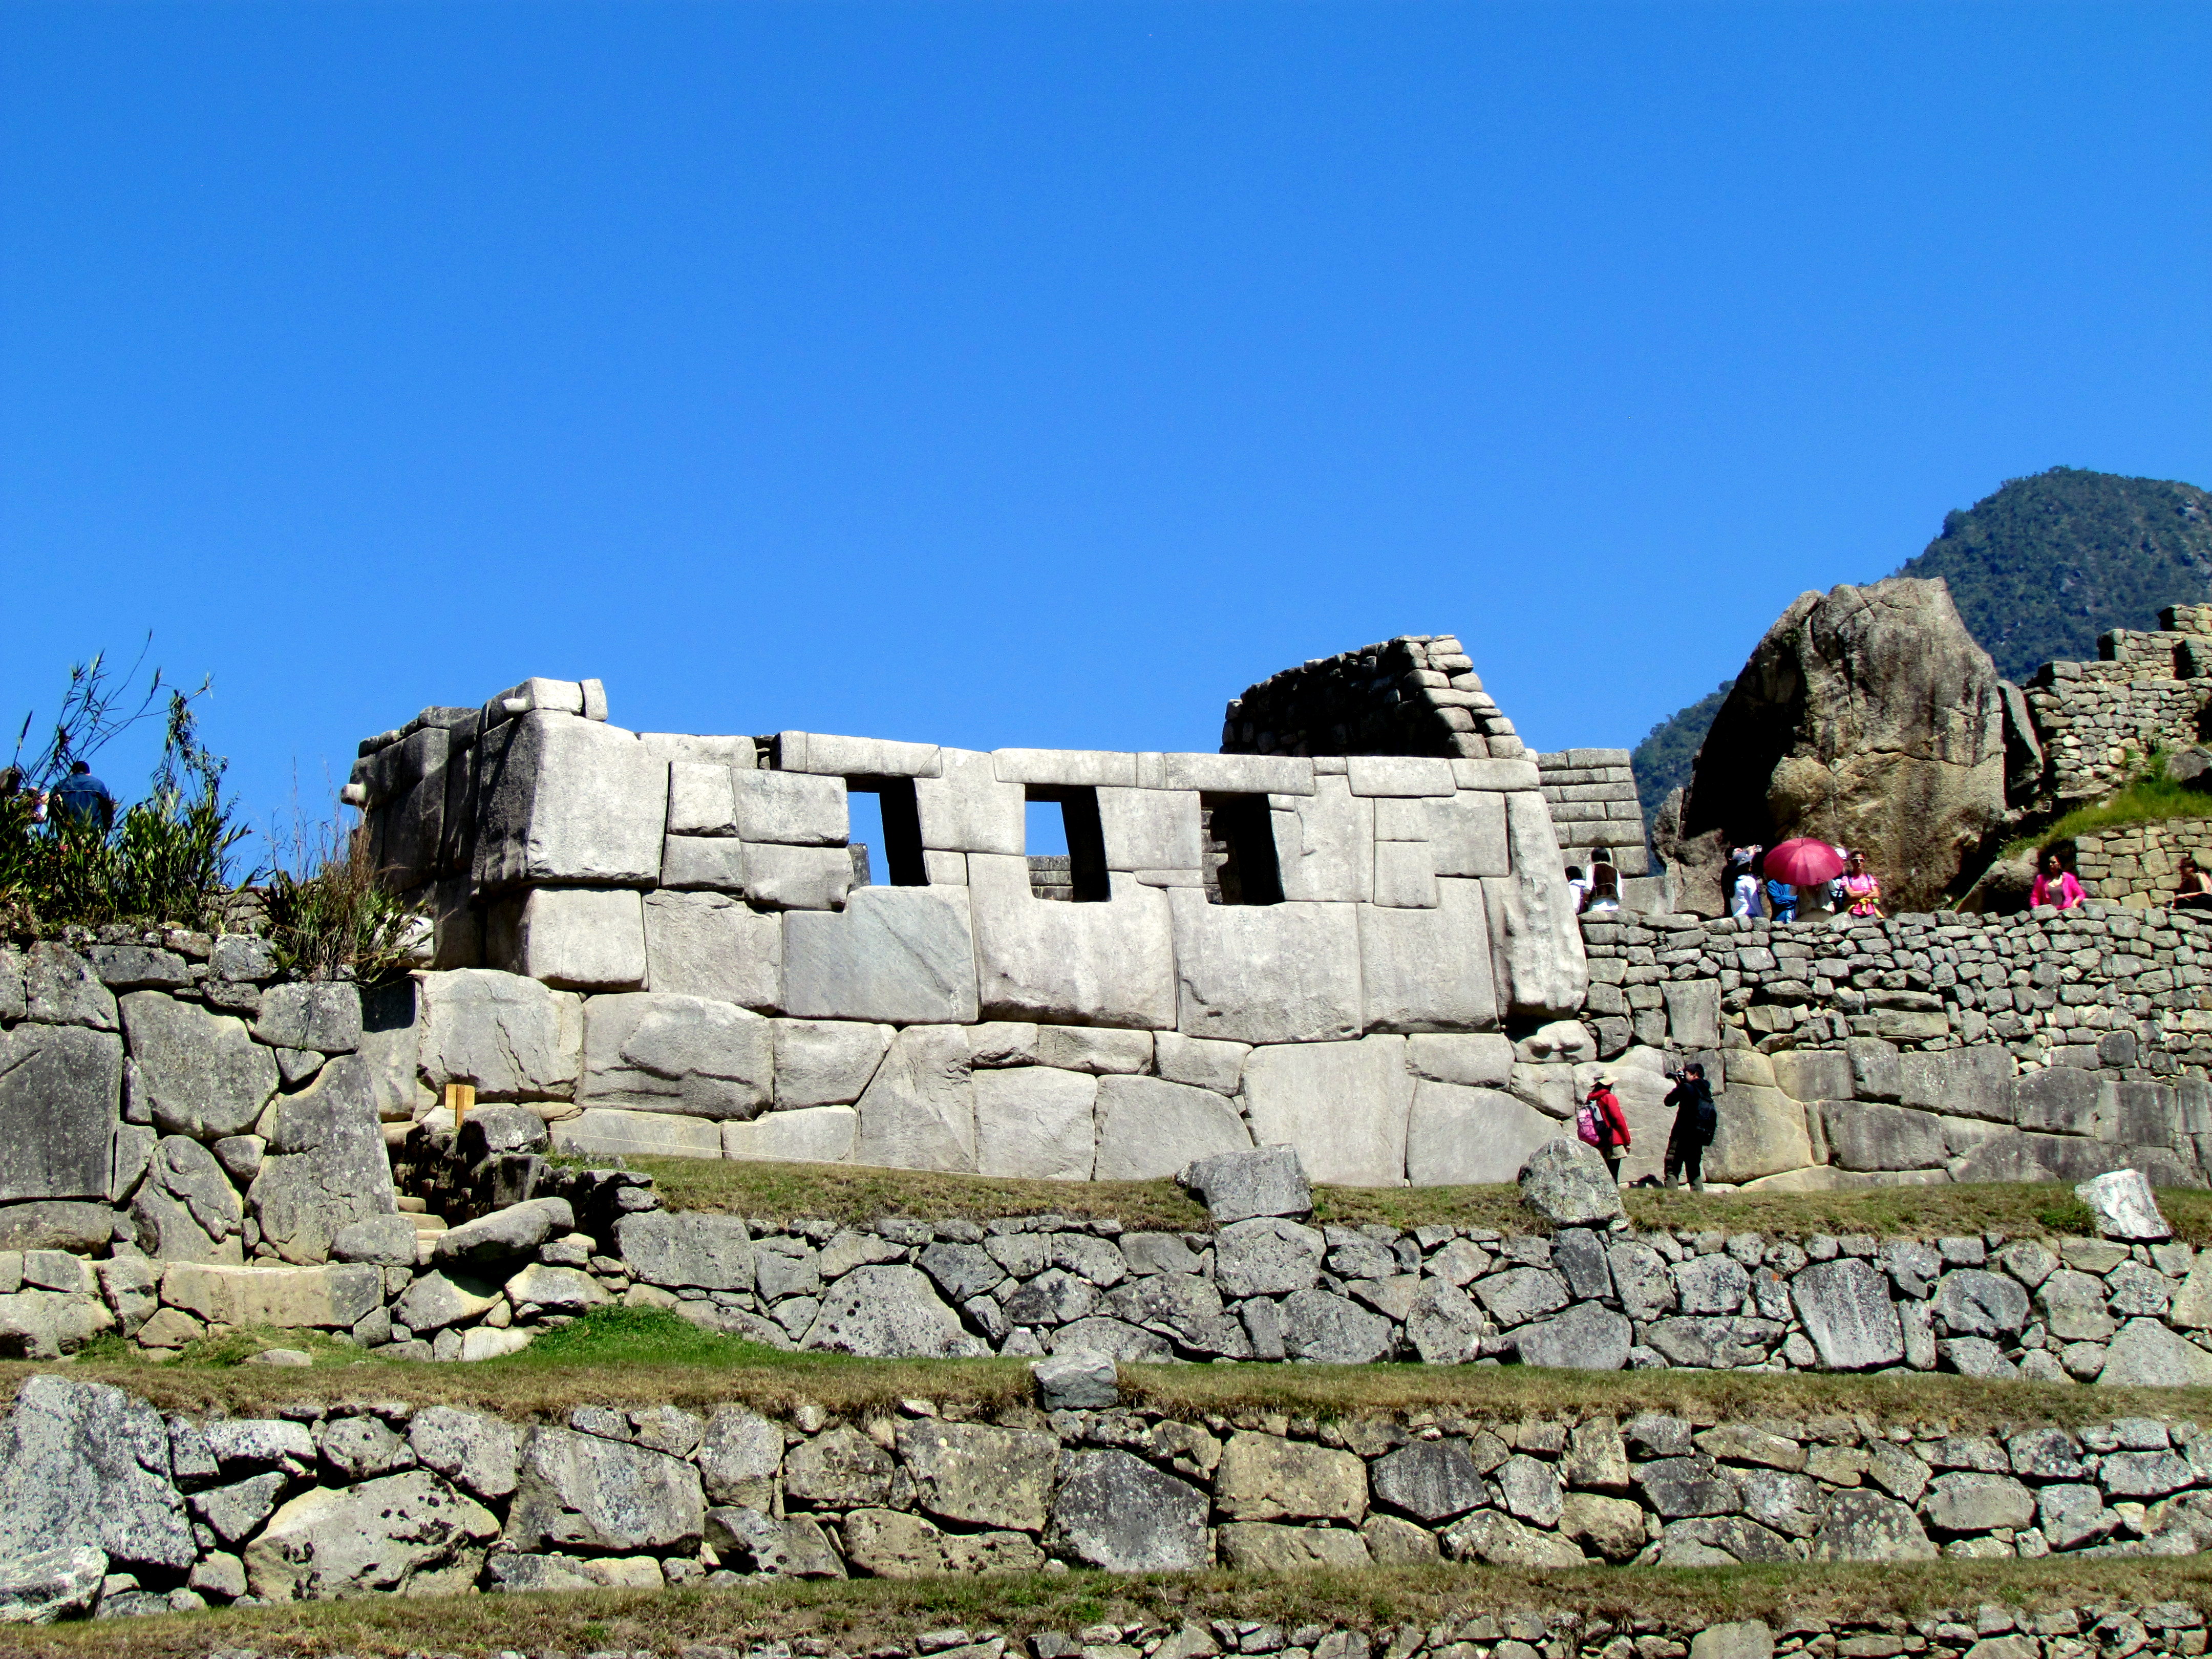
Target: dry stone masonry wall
point(1974, 1048)
point(2093, 723)
point(655, 940)
point(109, 1507)
point(1592, 795)
point(2137, 864)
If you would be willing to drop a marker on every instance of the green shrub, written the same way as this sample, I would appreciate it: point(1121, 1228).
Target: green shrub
point(329, 915)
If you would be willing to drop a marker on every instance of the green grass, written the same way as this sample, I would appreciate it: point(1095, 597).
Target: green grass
point(622, 1358)
point(861, 1614)
point(836, 1192)
point(2151, 799)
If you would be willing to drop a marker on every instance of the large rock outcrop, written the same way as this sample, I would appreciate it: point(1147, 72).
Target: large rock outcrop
point(1869, 717)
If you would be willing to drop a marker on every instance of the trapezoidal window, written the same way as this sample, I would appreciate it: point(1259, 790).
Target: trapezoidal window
point(1240, 850)
point(897, 830)
point(1079, 873)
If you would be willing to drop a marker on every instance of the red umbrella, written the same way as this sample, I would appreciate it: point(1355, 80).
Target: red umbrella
point(1803, 862)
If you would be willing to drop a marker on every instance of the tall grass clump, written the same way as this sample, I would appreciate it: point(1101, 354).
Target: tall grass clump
point(330, 913)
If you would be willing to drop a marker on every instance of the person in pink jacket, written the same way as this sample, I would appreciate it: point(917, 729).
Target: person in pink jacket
point(2055, 884)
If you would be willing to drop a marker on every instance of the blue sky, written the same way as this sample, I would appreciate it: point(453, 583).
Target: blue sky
point(1043, 374)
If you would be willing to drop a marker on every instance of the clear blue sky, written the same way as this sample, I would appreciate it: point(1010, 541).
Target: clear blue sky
point(1044, 373)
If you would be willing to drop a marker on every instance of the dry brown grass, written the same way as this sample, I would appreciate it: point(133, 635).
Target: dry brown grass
point(836, 1192)
point(775, 1386)
point(864, 1614)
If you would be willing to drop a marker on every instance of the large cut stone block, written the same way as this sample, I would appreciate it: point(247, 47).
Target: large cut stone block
point(1149, 1129)
point(791, 809)
point(1467, 832)
point(1538, 945)
point(584, 939)
point(831, 756)
point(60, 1087)
point(1693, 1012)
point(693, 1248)
point(812, 1134)
point(1035, 1121)
point(1457, 1136)
point(1265, 973)
point(1233, 774)
point(61, 988)
point(919, 1113)
point(1863, 1135)
point(900, 955)
point(825, 1062)
point(1761, 1132)
point(508, 1036)
point(1151, 828)
point(603, 1130)
point(562, 799)
point(968, 808)
point(1325, 843)
point(327, 1166)
point(1400, 774)
point(1429, 970)
point(653, 1051)
point(332, 1297)
point(203, 1074)
point(796, 877)
point(703, 864)
point(1343, 1106)
point(708, 945)
point(1115, 1511)
point(1110, 963)
point(322, 1016)
point(700, 802)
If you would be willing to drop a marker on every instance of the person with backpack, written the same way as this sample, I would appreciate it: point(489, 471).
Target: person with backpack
point(1599, 1122)
point(1696, 1117)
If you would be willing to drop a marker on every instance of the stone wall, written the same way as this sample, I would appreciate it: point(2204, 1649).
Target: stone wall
point(2095, 722)
point(105, 1503)
point(1415, 695)
point(2133, 864)
point(1922, 1048)
point(174, 1093)
point(657, 940)
point(1592, 795)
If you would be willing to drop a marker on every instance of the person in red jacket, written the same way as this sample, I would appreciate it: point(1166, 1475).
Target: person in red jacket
point(1600, 1123)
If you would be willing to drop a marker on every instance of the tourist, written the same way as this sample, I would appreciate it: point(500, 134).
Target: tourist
point(2191, 890)
point(84, 798)
point(1862, 888)
point(1600, 1123)
point(1781, 901)
point(2055, 884)
point(1578, 884)
point(1696, 1117)
point(1604, 885)
point(1743, 891)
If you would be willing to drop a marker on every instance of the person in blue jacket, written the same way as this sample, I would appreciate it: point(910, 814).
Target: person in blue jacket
point(82, 798)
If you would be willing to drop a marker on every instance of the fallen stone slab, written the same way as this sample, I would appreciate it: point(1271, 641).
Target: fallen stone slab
point(1239, 1186)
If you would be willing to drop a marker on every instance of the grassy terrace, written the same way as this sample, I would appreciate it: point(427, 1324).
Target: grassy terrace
point(779, 1192)
point(644, 1357)
point(864, 1614)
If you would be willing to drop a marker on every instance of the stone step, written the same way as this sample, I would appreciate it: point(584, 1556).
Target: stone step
point(429, 1224)
point(409, 1205)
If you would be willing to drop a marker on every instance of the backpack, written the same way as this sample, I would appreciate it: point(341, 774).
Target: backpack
point(1592, 1126)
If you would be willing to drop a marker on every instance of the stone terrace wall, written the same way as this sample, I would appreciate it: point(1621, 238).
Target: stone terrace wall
point(101, 1499)
point(656, 939)
point(2095, 721)
point(170, 1093)
point(1922, 1048)
point(2134, 864)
